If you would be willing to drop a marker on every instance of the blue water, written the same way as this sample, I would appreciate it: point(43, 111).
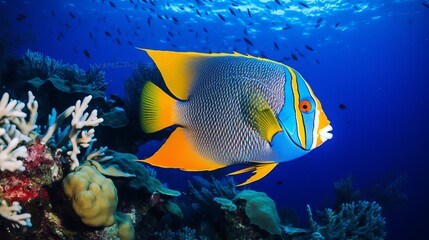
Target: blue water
point(375, 62)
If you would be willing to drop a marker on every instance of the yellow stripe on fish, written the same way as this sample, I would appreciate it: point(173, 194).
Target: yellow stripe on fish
point(229, 109)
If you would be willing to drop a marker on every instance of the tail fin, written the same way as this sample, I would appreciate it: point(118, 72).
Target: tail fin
point(158, 109)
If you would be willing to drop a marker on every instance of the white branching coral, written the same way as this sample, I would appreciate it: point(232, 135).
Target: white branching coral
point(81, 120)
point(26, 126)
point(13, 213)
point(15, 128)
point(12, 126)
point(11, 156)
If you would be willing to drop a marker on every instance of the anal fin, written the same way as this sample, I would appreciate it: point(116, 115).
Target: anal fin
point(259, 170)
point(178, 152)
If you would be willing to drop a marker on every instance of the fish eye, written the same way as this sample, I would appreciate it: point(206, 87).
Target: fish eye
point(305, 106)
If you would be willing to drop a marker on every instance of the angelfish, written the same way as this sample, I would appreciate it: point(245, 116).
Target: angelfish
point(230, 109)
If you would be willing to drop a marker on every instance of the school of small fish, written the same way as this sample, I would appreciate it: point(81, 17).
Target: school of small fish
point(172, 24)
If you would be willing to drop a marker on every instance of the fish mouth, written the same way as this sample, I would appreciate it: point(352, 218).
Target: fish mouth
point(325, 133)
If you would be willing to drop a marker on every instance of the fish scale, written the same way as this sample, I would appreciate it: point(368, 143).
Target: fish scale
point(216, 121)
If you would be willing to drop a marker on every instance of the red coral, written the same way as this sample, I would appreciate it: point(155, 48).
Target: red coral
point(37, 156)
point(19, 189)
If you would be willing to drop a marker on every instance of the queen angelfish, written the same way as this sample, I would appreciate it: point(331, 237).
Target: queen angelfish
point(230, 109)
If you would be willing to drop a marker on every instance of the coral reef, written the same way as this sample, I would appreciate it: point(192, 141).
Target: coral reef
point(38, 70)
point(356, 220)
point(33, 160)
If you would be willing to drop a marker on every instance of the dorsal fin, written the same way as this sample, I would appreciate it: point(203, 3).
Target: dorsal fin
point(178, 68)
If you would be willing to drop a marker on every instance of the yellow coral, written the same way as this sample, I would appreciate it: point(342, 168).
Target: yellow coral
point(94, 197)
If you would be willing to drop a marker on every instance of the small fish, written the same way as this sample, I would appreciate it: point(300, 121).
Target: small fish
point(221, 17)
point(248, 41)
point(294, 57)
point(317, 61)
point(278, 2)
point(337, 24)
point(72, 15)
point(198, 12)
point(175, 20)
point(130, 43)
point(248, 13)
point(86, 53)
point(170, 34)
point(118, 41)
point(309, 48)
point(425, 4)
point(148, 20)
point(279, 182)
point(91, 36)
point(119, 31)
point(286, 27)
point(319, 20)
point(231, 11)
point(53, 13)
point(342, 106)
point(205, 30)
point(258, 123)
point(300, 54)
point(112, 4)
point(276, 46)
point(128, 18)
point(107, 33)
point(67, 25)
point(21, 17)
point(303, 4)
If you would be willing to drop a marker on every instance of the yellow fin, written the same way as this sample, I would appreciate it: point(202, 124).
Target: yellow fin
point(178, 152)
point(157, 109)
point(178, 69)
point(260, 170)
point(264, 120)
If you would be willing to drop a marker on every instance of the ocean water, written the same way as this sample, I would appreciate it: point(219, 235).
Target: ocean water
point(367, 61)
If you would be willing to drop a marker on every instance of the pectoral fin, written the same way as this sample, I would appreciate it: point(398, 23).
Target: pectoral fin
point(263, 118)
point(259, 170)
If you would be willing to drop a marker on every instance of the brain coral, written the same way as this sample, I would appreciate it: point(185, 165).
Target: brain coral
point(94, 197)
